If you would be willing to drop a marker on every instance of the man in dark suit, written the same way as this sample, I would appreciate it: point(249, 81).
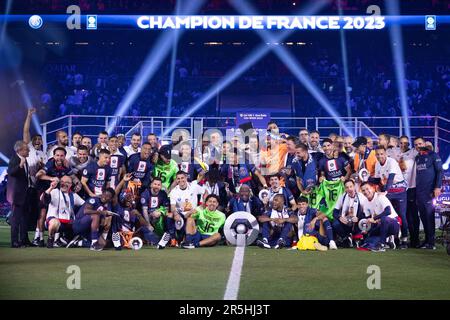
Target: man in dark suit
point(18, 191)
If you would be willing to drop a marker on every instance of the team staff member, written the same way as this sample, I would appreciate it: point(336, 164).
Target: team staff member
point(428, 186)
point(19, 186)
point(408, 157)
point(61, 210)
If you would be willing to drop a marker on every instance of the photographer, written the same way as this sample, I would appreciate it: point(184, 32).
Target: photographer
point(61, 202)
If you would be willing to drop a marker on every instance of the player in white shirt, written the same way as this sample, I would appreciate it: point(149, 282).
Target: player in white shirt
point(36, 158)
point(393, 182)
point(184, 198)
point(380, 214)
point(63, 142)
point(61, 210)
point(347, 212)
point(134, 147)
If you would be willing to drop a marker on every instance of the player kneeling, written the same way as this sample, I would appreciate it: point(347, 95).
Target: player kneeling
point(276, 225)
point(130, 223)
point(61, 204)
point(317, 224)
point(93, 215)
point(204, 225)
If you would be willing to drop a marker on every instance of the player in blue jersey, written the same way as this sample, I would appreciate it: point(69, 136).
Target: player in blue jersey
point(116, 162)
point(331, 168)
point(97, 175)
point(141, 167)
point(276, 228)
point(55, 168)
point(94, 216)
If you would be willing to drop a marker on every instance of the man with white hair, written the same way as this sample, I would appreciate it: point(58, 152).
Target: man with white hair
point(18, 194)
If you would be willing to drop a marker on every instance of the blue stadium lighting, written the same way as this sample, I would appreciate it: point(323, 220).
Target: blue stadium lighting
point(4, 158)
point(446, 164)
point(295, 67)
point(149, 67)
point(395, 34)
point(239, 69)
point(3, 32)
point(172, 68)
point(345, 63)
point(27, 99)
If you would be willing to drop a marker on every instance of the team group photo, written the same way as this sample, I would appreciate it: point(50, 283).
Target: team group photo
point(225, 150)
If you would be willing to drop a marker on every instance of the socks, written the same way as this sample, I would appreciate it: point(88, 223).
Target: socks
point(36, 234)
point(56, 236)
point(94, 236)
point(41, 235)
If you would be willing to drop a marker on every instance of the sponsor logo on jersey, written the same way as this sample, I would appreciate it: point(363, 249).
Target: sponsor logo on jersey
point(114, 162)
point(142, 166)
point(101, 174)
point(154, 202)
point(332, 165)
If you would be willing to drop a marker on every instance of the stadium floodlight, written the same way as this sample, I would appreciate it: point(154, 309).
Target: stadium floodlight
point(172, 68)
point(446, 164)
point(294, 66)
point(27, 99)
point(241, 67)
point(4, 158)
point(345, 63)
point(151, 64)
point(395, 34)
point(3, 32)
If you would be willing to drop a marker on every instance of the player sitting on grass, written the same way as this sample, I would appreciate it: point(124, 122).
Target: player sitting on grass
point(347, 212)
point(130, 223)
point(61, 210)
point(155, 207)
point(276, 225)
point(317, 224)
point(95, 213)
point(381, 216)
point(204, 225)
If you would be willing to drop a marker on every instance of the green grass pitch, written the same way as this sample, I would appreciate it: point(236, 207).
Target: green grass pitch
point(40, 273)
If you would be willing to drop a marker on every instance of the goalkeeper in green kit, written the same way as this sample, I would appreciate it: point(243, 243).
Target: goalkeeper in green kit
point(166, 168)
point(203, 227)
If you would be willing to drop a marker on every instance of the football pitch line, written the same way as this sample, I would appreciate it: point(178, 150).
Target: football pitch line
point(234, 279)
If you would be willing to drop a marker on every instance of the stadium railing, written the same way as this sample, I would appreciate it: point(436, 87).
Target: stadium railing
point(433, 128)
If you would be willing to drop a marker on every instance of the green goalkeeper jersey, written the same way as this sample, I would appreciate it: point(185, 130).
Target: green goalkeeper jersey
point(331, 190)
point(167, 172)
point(208, 222)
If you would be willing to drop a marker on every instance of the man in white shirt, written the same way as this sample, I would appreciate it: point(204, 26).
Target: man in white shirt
point(36, 158)
point(393, 182)
point(63, 142)
point(380, 214)
point(134, 147)
point(184, 197)
point(347, 212)
point(61, 210)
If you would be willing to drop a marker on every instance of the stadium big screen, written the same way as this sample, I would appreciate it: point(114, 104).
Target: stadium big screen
point(225, 150)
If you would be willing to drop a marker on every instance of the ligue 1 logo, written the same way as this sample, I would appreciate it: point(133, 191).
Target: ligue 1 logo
point(91, 22)
point(35, 22)
point(430, 22)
